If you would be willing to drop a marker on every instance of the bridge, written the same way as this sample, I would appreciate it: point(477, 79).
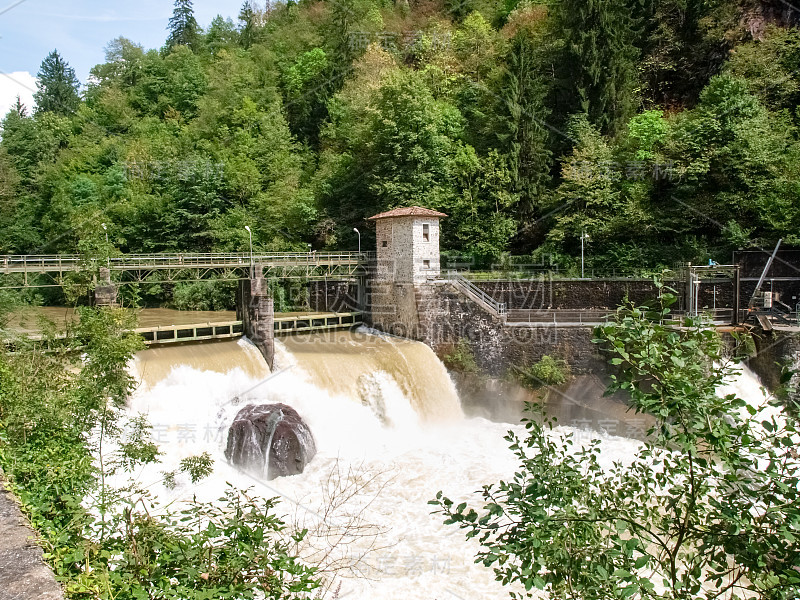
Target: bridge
point(283, 325)
point(251, 272)
point(50, 270)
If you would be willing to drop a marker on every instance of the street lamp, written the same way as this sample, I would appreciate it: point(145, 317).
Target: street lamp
point(359, 240)
point(250, 233)
point(584, 238)
point(108, 257)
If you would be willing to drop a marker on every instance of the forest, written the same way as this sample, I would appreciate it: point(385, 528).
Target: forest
point(661, 130)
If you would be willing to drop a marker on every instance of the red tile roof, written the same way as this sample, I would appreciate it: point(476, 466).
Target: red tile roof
point(410, 211)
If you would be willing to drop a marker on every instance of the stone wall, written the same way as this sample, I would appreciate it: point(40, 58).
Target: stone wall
point(569, 293)
point(23, 573)
point(444, 316)
point(574, 294)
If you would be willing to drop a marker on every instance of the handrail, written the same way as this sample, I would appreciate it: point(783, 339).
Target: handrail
point(499, 308)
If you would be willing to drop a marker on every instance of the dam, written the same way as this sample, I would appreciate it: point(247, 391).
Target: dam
point(391, 425)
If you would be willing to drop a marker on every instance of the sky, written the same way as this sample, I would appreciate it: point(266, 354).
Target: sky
point(80, 30)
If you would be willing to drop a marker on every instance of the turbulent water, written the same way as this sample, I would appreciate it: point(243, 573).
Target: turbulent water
point(389, 433)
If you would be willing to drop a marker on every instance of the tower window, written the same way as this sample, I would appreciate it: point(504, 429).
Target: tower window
point(385, 244)
point(426, 264)
point(426, 232)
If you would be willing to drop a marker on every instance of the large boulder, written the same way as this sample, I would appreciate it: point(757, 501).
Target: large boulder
point(269, 441)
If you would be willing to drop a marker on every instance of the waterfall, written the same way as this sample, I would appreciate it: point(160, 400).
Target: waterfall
point(389, 433)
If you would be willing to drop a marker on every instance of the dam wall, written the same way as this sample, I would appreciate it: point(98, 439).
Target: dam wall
point(570, 294)
point(447, 316)
point(437, 314)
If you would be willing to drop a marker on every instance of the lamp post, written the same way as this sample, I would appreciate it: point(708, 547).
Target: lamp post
point(584, 238)
point(250, 233)
point(108, 257)
point(359, 240)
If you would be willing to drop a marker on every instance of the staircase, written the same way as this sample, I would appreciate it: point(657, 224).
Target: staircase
point(476, 294)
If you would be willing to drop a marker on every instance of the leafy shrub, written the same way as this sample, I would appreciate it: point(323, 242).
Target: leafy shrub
point(461, 358)
point(58, 411)
point(204, 295)
point(548, 371)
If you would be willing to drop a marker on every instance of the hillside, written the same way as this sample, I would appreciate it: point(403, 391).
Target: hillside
point(665, 130)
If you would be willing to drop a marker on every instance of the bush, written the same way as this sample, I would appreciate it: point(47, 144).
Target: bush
point(204, 295)
point(58, 412)
point(548, 371)
point(461, 358)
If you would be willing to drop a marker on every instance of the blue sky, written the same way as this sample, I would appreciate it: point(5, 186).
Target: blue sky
point(80, 30)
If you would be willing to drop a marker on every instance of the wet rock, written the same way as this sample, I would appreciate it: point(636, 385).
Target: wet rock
point(269, 441)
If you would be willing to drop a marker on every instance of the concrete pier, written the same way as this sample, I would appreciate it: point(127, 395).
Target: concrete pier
point(105, 292)
point(256, 309)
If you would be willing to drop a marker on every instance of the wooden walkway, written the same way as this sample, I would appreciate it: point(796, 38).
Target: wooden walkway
point(284, 325)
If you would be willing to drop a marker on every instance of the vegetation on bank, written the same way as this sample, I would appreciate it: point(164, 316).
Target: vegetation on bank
point(544, 373)
point(64, 432)
point(664, 130)
point(709, 507)
point(461, 358)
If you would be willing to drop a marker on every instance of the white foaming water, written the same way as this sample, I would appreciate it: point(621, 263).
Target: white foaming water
point(747, 386)
point(391, 444)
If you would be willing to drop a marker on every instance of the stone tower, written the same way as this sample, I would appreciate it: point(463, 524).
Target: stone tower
point(407, 261)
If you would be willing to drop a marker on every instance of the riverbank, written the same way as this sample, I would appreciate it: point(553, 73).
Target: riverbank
point(23, 572)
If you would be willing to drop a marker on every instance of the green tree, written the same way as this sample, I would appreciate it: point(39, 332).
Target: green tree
point(737, 162)
point(248, 28)
point(306, 93)
point(182, 25)
point(414, 140)
point(523, 114)
point(706, 508)
point(221, 34)
point(57, 86)
point(599, 47)
point(592, 197)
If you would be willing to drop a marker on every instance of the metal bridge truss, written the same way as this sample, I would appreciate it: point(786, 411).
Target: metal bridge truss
point(55, 271)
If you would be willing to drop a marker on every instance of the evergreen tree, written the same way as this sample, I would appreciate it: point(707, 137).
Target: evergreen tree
point(182, 26)
point(20, 108)
point(58, 86)
point(247, 15)
point(601, 57)
point(523, 127)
